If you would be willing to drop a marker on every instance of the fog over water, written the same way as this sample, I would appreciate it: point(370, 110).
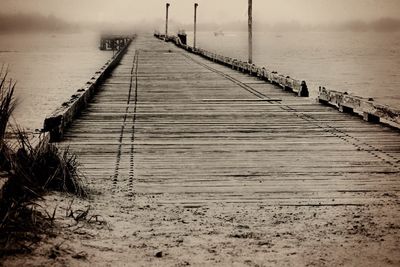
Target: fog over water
point(314, 12)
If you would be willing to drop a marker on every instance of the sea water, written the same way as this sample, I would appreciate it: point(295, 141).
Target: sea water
point(48, 69)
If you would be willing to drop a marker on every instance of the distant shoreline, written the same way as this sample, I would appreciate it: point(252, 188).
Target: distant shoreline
point(23, 23)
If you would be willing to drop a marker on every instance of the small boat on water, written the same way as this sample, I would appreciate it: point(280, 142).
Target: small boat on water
point(219, 33)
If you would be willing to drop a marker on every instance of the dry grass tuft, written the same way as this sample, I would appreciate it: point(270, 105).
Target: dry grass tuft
point(32, 171)
point(46, 167)
point(7, 105)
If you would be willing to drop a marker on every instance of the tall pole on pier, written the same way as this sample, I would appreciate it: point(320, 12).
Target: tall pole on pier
point(250, 24)
point(195, 24)
point(166, 22)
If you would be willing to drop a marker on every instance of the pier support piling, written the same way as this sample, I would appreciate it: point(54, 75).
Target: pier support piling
point(370, 117)
point(345, 109)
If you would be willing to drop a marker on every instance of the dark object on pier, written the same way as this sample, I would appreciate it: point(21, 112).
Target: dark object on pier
point(114, 42)
point(183, 37)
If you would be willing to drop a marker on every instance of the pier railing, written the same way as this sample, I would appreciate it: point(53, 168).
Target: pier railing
point(370, 111)
point(62, 117)
point(285, 82)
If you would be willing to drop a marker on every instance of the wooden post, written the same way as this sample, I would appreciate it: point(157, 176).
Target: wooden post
point(113, 46)
point(250, 24)
point(166, 22)
point(195, 24)
point(370, 117)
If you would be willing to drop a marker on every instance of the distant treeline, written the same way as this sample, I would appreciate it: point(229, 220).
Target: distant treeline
point(381, 25)
point(33, 23)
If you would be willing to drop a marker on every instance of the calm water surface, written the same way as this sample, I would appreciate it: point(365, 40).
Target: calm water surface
point(48, 69)
point(365, 64)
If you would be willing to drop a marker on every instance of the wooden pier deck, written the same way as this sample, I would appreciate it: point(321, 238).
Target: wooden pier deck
point(174, 124)
point(172, 131)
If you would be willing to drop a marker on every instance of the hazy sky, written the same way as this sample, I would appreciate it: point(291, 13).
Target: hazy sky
point(272, 11)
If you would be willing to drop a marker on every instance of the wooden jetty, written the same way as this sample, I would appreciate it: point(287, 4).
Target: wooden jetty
point(114, 42)
point(171, 135)
point(196, 132)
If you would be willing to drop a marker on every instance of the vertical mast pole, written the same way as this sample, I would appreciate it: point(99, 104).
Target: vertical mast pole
point(166, 21)
point(250, 29)
point(195, 24)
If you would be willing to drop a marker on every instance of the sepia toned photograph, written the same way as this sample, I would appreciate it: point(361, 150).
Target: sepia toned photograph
point(199, 133)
